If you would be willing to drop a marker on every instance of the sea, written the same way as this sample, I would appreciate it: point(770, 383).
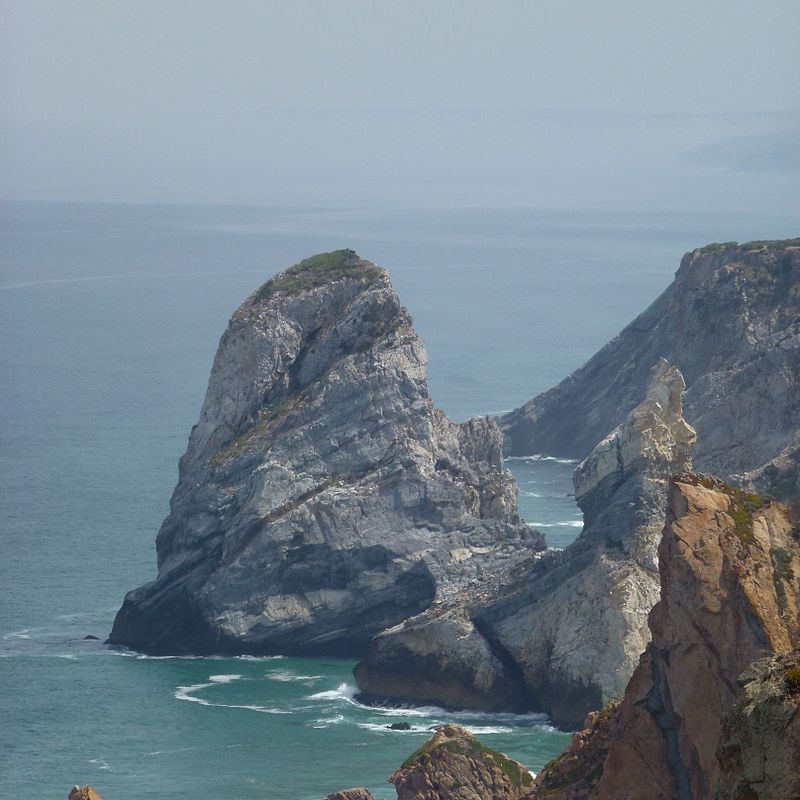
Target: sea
point(110, 314)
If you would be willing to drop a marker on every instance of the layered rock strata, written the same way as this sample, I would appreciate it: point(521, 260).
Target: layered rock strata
point(729, 562)
point(564, 632)
point(322, 498)
point(730, 322)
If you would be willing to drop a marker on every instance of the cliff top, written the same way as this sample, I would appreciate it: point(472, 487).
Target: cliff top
point(757, 244)
point(317, 271)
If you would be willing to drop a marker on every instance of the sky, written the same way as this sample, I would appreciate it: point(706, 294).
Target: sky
point(266, 101)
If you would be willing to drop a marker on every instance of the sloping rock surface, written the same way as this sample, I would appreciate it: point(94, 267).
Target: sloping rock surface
point(351, 794)
point(730, 321)
point(729, 562)
point(564, 632)
point(453, 765)
point(322, 498)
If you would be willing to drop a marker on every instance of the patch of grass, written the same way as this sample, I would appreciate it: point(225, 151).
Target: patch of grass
point(509, 768)
point(771, 244)
point(317, 271)
point(782, 572)
point(792, 679)
point(267, 417)
point(716, 246)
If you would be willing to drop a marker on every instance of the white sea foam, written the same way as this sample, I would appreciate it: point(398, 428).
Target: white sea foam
point(188, 693)
point(287, 676)
point(223, 678)
point(327, 722)
point(100, 763)
point(567, 523)
point(537, 457)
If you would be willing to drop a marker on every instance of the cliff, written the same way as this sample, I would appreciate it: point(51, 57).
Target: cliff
point(564, 632)
point(322, 498)
point(729, 322)
point(729, 596)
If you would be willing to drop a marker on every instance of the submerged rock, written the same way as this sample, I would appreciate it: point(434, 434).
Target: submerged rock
point(730, 322)
point(322, 498)
point(562, 633)
point(351, 794)
point(454, 765)
point(729, 595)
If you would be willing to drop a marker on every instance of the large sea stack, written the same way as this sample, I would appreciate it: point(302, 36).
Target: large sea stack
point(322, 497)
point(730, 321)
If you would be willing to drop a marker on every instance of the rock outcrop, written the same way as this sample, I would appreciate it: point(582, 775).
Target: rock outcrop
point(729, 562)
point(759, 751)
point(351, 794)
point(453, 765)
point(564, 632)
point(730, 322)
point(83, 793)
point(322, 498)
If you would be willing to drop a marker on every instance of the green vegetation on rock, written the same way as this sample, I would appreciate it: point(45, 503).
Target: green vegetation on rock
point(317, 271)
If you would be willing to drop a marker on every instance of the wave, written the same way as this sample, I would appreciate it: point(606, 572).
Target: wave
point(287, 676)
point(344, 691)
point(537, 458)
point(188, 693)
point(476, 730)
point(567, 523)
point(321, 724)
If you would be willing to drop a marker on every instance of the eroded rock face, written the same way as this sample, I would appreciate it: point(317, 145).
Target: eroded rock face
point(322, 498)
point(759, 751)
point(453, 765)
point(730, 322)
point(564, 632)
point(729, 595)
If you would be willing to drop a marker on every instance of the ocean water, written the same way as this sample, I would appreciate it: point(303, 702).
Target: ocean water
point(110, 317)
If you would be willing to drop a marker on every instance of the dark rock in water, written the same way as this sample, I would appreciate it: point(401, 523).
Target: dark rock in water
point(729, 322)
point(563, 632)
point(685, 728)
point(90, 637)
point(399, 726)
point(454, 765)
point(351, 794)
point(322, 498)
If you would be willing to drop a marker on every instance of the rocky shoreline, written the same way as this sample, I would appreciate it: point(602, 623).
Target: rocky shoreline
point(324, 506)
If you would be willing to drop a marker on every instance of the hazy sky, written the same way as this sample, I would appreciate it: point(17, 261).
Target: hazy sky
point(165, 99)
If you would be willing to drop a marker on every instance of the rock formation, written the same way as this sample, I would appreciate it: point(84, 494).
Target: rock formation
point(729, 562)
point(351, 794)
point(565, 631)
point(83, 793)
point(453, 765)
point(730, 322)
point(759, 752)
point(322, 498)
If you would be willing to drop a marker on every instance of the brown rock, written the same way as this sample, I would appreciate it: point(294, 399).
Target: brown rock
point(351, 794)
point(84, 793)
point(453, 765)
point(728, 562)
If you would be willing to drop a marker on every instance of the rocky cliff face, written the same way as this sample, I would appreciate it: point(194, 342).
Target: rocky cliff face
point(564, 632)
point(729, 562)
point(322, 498)
point(759, 751)
point(730, 322)
point(454, 765)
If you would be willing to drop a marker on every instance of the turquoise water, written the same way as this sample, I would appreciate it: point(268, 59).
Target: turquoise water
point(110, 318)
